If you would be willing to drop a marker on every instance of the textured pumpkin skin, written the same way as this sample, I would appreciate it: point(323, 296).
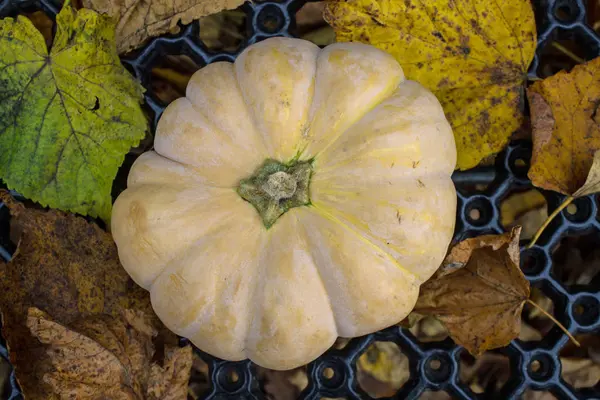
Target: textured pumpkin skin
point(381, 215)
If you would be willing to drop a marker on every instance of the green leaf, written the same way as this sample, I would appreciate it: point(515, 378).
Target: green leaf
point(67, 118)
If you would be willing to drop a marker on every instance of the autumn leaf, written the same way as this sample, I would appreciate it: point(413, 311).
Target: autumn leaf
point(479, 292)
point(527, 209)
point(566, 131)
point(68, 116)
point(104, 356)
point(65, 266)
point(566, 134)
point(580, 372)
point(382, 369)
point(140, 20)
point(473, 55)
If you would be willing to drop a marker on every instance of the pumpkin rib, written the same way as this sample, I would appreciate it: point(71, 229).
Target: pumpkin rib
point(289, 327)
point(153, 168)
point(394, 222)
point(381, 282)
point(185, 136)
point(211, 316)
point(351, 80)
point(215, 91)
point(133, 257)
point(215, 227)
point(333, 218)
point(320, 275)
point(277, 79)
point(413, 110)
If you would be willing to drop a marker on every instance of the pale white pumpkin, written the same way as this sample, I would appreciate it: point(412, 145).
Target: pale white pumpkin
point(363, 162)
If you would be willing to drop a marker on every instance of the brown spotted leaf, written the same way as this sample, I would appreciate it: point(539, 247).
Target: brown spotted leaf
point(566, 131)
point(140, 20)
point(65, 266)
point(479, 292)
point(473, 54)
point(107, 357)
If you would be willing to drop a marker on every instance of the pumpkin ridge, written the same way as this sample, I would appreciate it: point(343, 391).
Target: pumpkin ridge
point(319, 274)
point(332, 218)
point(174, 263)
point(215, 129)
point(168, 264)
point(356, 119)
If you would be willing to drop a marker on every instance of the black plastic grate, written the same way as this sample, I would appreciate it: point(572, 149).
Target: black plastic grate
point(577, 307)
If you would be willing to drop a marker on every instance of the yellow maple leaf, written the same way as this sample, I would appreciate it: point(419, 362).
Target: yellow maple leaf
point(566, 129)
point(566, 134)
point(472, 54)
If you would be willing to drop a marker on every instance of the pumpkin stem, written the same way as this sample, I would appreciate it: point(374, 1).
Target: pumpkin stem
point(274, 188)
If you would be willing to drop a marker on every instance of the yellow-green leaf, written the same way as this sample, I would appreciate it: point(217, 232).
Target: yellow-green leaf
point(473, 54)
point(69, 115)
point(566, 130)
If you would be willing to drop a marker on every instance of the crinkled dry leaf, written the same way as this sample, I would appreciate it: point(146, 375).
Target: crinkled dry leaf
point(282, 385)
point(479, 292)
point(65, 266)
point(68, 115)
point(473, 55)
point(527, 209)
point(580, 372)
point(566, 131)
point(102, 357)
point(592, 182)
point(489, 371)
point(382, 369)
point(140, 20)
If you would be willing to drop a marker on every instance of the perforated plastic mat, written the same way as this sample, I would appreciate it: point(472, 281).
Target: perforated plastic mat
point(534, 365)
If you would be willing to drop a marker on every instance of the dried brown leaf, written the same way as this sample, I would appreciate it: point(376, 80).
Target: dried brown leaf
point(140, 20)
point(102, 356)
point(69, 268)
point(479, 292)
point(281, 385)
point(489, 371)
point(580, 372)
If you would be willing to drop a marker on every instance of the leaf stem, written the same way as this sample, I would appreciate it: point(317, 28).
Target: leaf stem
point(540, 230)
point(568, 53)
point(561, 326)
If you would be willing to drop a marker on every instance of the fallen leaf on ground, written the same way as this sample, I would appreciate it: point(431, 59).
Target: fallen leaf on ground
point(65, 266)
point(431, 394)
point(580, 372)
point(527, 209)
point(529, 334)
point(282, 385)
point(200, 382)
point(223, 31)
point(566, 131)
point(428, 329)
point(593, 14)
point(473, 55)
point(487, 374)
point(577, 260)
point(102, 357)
point(68, 116)
point(581, 365)
point(479, 292)
point(382, 369)
point(140, 20)
point(530, 394)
